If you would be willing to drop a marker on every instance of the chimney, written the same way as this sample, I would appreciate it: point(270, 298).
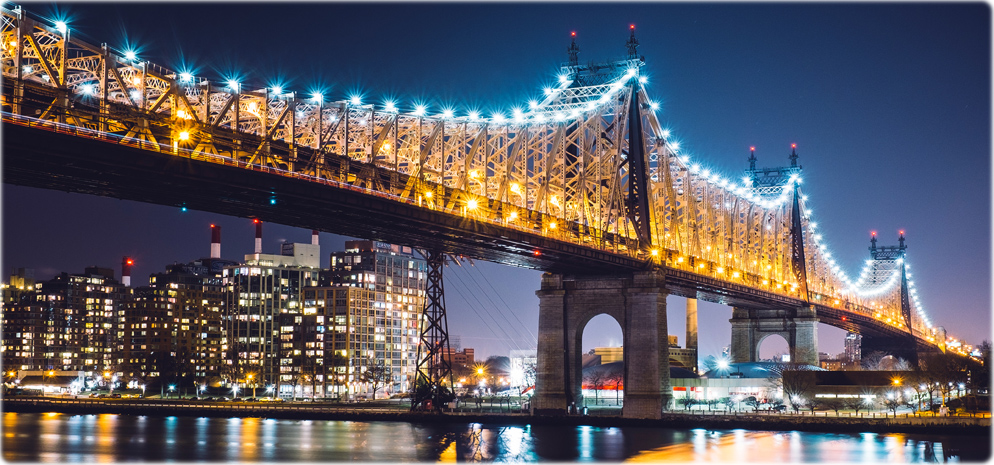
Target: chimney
point(215, 241)
point(126, 263)
point(314, 236)
point(258, 236)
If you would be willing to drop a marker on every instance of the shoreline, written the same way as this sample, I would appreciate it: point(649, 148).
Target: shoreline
point(915, 425)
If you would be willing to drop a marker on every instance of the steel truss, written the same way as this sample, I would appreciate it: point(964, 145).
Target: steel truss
point(565, 168)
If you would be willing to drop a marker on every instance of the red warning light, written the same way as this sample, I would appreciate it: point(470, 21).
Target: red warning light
point(752, 149)
point(537, 253)
point(793, 146)
point(256, 221)
point(632, 27)
point(843, 318)
point(573, 34)
point(131, 262)
point(212, 225)
point(902, 232)
point(873, 233)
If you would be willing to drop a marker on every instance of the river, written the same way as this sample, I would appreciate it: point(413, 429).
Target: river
point(55, 437)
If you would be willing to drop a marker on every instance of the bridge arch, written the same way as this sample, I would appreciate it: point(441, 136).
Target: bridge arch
point(772, 344)
point(798, 326)
point(600, 376)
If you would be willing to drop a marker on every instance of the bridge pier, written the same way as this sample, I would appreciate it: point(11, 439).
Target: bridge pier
point(638, 302)
point(799, 326)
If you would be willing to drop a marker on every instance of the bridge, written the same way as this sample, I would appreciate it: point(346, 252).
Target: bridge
point(584, 184)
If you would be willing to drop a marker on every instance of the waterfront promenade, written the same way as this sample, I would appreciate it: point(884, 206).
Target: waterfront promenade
point(399, 411)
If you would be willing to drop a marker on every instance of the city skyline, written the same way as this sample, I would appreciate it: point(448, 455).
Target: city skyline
point(717, 115)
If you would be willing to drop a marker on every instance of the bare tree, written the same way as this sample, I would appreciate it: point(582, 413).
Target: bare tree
point(617, 379)
point(794, 381)
point(596, 377)
point(871, 361)
point(855, 403)
point(376, 375)
point(832, 404)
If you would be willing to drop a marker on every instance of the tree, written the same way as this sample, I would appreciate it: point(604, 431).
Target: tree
point(499, 363)
point(944, 371)
point(794, 381)
point(871, 361)
point(832, 404)
point(855, 403)
point(596, 377)
point(617, 379)
point(892, 402)
point(376, 375)
point(686, 401)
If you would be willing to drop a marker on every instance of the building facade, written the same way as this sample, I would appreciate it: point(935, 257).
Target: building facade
point(397, 277)
point(73, 322)
point(259, 294)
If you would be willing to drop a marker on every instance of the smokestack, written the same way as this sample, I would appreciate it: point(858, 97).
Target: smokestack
point(126, 263)
point(215, 241)
point(258, 236)
point(314, 236)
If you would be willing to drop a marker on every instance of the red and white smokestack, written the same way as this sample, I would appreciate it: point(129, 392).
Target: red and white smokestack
point(215, 241)
point(314, 236)
point(126, 263)
point(258, 236)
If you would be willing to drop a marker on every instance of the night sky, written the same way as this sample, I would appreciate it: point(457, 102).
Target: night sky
point(889, 105)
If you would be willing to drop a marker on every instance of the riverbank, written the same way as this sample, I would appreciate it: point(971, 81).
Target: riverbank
point(372, 412)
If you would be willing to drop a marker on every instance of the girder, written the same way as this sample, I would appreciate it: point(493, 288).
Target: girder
point(562, 170)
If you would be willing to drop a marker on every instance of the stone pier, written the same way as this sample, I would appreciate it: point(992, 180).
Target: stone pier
point(799, 326)
point(637, 301)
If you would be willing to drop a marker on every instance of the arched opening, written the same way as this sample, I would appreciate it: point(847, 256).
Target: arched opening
point(602, 363)
point(773, 347)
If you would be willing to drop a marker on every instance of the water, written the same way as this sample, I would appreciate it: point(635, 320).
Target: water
point(53, 437)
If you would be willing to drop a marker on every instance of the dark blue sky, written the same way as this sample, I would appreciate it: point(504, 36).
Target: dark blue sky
point(889, 105)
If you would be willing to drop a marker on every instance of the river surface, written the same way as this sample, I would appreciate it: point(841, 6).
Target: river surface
point(54, 437)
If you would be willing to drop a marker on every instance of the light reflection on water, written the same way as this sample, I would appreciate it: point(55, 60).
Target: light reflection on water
point(115, 438)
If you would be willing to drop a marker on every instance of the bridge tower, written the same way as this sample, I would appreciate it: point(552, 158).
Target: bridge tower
point(899, 346)
point(636, 300)
point(434, 373)
point(799, 326)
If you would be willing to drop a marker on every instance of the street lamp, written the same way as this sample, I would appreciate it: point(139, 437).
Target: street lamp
point(143, 391)
point(172, 387)
point(253, 384)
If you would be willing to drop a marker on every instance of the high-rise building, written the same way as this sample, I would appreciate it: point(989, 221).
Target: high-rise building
point(259, 293)
point(23, 325)
point(325, 348)
point(397, 278)
point(71, 322)
point(175, 325)
point(852, 354)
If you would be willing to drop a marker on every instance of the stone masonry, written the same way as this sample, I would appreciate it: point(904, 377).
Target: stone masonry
point(798, 326)
point(637, 302)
